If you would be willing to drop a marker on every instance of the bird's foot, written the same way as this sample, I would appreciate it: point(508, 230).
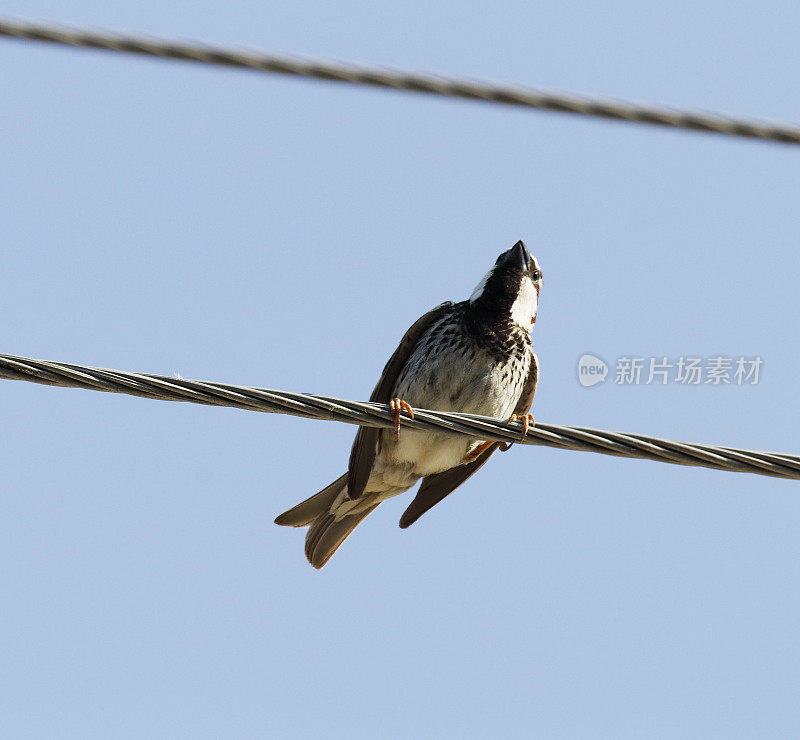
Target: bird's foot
point(398, 406)
point(527, 421)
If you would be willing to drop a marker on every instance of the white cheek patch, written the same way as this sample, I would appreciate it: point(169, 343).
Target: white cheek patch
point(524, 309)
point(478, 292)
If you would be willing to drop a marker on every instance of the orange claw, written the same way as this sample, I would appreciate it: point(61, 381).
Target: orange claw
point(398, 406)
point(477, 452)
point(527, 421)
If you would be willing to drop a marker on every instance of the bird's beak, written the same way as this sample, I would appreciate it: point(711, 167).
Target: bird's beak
point(517, 256)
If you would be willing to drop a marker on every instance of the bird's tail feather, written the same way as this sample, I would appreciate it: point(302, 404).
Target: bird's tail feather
point(308, 511)
point(326, 531)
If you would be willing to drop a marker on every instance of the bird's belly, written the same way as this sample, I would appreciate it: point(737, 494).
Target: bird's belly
point(474, 385)
point(425, 453)
point(485, 388)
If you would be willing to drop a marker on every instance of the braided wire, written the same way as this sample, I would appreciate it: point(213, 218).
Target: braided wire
point(311, 406)
point(420, 83)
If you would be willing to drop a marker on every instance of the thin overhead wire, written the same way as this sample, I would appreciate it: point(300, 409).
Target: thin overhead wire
point(311, 406)
point(411, 82)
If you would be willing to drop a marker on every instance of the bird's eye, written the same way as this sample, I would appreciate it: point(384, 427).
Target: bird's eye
point(536, 275)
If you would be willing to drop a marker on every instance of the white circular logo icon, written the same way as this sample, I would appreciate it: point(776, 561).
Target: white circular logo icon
point(591, 370)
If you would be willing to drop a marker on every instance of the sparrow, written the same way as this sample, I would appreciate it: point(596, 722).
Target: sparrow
point(474, 357)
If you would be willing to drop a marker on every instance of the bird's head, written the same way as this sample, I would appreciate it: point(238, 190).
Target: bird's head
point(511, 286)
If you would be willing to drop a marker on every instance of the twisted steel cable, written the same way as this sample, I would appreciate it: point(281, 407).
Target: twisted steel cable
point(311, 406)
point(420, 83)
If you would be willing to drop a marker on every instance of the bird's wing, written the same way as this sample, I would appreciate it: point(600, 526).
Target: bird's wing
point(365, 446)
point(529, 388)
point(435, 487)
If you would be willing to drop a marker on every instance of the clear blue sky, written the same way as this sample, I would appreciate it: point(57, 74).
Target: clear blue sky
point(228, 226)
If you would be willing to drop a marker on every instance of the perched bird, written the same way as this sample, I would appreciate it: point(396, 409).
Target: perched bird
point(474, 357)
